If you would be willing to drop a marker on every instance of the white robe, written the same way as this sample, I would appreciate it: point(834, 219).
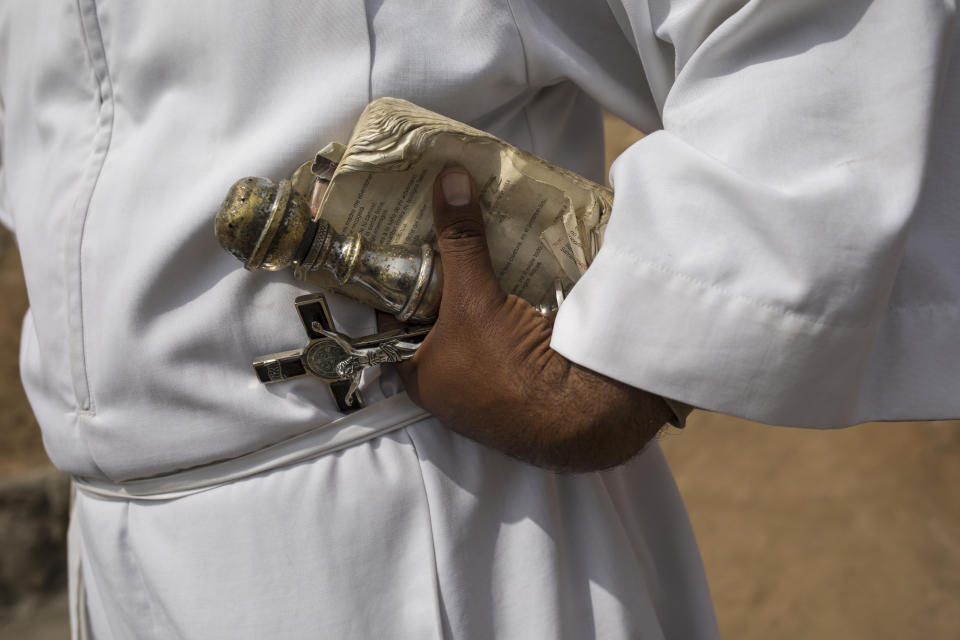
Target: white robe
point(783, 249)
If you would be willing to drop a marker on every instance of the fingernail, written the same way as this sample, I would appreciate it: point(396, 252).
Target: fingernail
point(456, 188)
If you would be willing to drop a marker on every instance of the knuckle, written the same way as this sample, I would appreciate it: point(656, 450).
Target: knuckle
point(463, 229)
point(462, 246)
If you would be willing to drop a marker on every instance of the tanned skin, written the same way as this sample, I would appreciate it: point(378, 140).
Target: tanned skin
point(486, 370)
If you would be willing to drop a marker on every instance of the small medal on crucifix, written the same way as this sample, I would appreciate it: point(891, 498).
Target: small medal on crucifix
point(335, 358)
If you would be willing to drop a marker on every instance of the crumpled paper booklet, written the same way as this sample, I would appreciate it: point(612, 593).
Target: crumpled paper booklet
point(544, 223)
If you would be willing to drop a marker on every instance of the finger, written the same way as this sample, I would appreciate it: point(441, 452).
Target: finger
point(388, 321)
point(411, 382)
point(467, 271)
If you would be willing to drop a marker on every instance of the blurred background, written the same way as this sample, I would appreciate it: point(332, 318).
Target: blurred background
point(851, 534)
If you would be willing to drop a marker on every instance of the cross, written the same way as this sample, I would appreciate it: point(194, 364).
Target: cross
point(335, 358)
point(318, 358)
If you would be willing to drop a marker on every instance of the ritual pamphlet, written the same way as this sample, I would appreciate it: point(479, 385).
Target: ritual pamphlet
point(544, 223)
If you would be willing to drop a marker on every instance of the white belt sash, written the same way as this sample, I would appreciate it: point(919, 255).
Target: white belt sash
point(383, 417)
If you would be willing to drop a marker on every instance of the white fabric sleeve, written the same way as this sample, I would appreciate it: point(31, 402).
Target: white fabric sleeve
point(755, 238)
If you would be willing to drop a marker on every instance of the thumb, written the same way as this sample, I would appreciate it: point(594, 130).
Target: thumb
point(468, 277)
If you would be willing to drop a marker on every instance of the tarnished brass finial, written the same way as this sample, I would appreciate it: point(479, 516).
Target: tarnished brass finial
point(269, 226)
point(262, 223)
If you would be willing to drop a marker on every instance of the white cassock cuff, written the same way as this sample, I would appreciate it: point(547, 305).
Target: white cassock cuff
point(755, 240)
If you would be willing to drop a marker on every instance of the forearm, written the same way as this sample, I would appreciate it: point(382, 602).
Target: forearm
point(598, 424)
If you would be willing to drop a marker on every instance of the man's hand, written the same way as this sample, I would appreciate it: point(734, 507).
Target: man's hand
point(487, 371)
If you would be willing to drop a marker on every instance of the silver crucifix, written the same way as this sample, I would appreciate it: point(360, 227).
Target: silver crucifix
point(335, 358)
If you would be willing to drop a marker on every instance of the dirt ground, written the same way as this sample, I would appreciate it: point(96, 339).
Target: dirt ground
point(826, 534)
point(20, 445)
point(851, 534)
